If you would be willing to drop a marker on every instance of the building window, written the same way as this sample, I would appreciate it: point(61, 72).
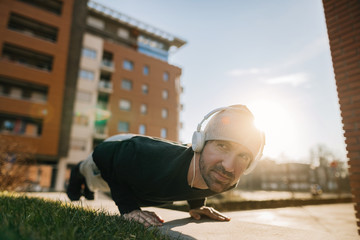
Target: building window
point(123, 126)
point(152, 47)
point(126, 84)
point(107, 60)
point(143, 109)
point(145, 89)
point(163, 133)
point(123, 33)
point(81, 119)
point(89, 53)
point(165, 94)
point(94, 22)
point(14, 88)
point(85, 74)
point(142, 129)
point(128, 65)
point(146, 70)
point(77, 144)
point(164, 113)
point(53, 6)
point(38, 96)
point(124, 105)
point(20, 125)
point(15, 92)
point(26, 57)
point(166, 76)
point(33, 28)
point(83, 96)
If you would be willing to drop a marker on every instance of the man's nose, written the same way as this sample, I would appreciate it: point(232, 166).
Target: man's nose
point(229, 163)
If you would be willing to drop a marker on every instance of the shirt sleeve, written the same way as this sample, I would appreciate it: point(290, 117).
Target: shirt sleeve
point(114, 172)
point(196, 203)
point(123, 198)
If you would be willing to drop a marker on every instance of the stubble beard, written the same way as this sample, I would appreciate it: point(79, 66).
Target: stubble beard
point(211, 182)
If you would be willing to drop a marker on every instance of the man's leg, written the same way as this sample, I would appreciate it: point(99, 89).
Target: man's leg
point(76, 181)
point(88, 194)
point(87, 173)
point(93, 180)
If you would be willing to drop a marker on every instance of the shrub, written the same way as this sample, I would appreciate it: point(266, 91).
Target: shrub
point(15, 159)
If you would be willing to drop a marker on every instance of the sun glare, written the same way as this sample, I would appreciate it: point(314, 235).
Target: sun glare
point(278, 124)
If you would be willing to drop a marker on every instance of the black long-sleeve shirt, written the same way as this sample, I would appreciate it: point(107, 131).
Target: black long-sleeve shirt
point(144, 171)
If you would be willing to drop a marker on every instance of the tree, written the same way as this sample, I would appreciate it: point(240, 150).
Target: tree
point(320, 158)
point(15, 159)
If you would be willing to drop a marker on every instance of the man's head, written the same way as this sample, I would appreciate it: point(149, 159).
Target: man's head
point(222, 163)
point(233, 146)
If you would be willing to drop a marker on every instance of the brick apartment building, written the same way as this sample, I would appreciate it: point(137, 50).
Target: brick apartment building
point(125, 83)
point(73, 73)
point(35, 68)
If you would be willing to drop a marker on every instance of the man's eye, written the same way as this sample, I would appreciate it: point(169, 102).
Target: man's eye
point(246, 157)
point(222, 146)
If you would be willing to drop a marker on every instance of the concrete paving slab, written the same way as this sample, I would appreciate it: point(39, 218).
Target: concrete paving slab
point(316, 222)
point(180, 225)
point(335, 219)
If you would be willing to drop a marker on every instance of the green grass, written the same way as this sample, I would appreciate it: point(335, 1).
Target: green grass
point(27, 218)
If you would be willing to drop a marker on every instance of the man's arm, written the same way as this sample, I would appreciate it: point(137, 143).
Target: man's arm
point(128, 207)
point(123, 197)
point(198, 209)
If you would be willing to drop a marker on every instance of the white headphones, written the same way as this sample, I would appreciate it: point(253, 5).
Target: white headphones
point(198, 138)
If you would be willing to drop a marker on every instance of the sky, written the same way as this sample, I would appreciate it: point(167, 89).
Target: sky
point(272, 56)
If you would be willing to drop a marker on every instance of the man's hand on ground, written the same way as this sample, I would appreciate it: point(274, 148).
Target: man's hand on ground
point(146, 218)
point(209, 212)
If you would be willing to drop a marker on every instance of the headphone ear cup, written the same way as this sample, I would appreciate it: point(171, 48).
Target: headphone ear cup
point(198, 141)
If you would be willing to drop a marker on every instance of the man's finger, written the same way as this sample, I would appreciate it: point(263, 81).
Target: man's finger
point(195, 215)
point(209, 212)
point(159, 218)
point(150, 219)
point(219, 215)
point(216, 216)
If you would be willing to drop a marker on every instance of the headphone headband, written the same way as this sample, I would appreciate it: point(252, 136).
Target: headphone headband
point(240, 107)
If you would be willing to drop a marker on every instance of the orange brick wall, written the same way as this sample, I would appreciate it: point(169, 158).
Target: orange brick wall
point(51, 111)
point(343, 25)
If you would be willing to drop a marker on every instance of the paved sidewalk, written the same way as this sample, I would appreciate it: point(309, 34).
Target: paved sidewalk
point(317, 222)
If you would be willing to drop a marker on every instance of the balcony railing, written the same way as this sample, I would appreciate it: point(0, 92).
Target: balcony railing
point(105, 86)
point(107, 65)
point(101, 132)
point(33, 28)
point(26, 57)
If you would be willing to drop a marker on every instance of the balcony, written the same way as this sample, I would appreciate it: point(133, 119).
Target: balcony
point(18, 89)
point(105, 86)
point(101, 132)
point(32, 28)
point(26, 57)
point(53, 6)
point(20, 125)
point(107, 65)
point(153, 51)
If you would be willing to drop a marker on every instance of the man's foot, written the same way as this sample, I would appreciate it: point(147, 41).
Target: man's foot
point(88, 194)
point(76, 180)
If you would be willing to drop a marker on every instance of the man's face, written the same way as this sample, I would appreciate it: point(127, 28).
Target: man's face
point(222, 163)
